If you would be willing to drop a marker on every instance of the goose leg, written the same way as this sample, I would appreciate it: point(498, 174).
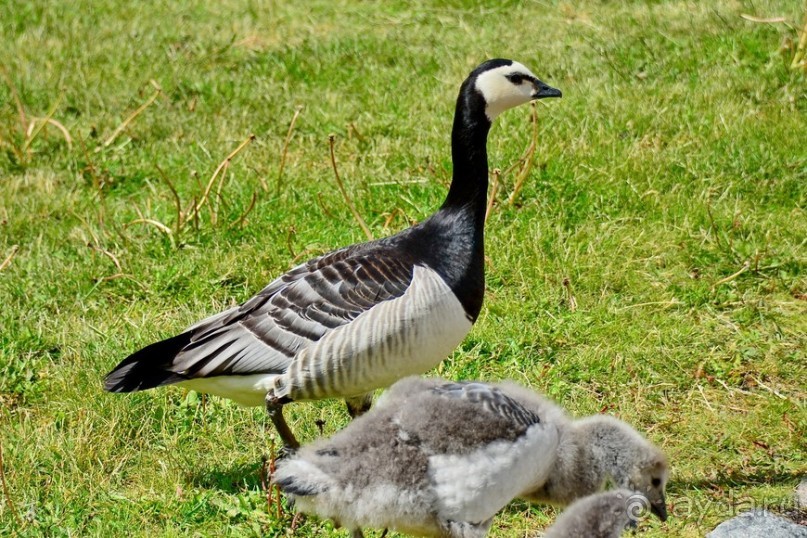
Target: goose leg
point(359, 405)
point(274, 406)
point(356, 533)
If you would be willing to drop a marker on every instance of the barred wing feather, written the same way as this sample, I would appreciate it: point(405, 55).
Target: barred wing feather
point(491, 399)
point(264, 334)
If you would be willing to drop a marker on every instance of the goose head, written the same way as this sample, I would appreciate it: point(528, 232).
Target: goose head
point(505, 84)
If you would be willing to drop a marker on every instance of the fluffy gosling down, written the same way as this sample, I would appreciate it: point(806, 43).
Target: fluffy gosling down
point(602, 515)
point(439, 458)
point(359, 318)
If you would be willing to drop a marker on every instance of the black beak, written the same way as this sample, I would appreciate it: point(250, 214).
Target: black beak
point(543, 90)
point(659, 508)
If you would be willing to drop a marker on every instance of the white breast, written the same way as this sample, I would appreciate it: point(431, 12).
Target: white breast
point(475, 486)
point(379, 505)
point(396, 338)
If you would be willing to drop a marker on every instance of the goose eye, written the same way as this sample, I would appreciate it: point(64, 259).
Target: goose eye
point(515, 78)
point(656, 482)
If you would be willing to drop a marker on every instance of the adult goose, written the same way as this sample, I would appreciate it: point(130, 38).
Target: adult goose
point(361, 317)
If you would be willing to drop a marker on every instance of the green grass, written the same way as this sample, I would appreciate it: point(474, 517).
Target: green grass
point(669, 187)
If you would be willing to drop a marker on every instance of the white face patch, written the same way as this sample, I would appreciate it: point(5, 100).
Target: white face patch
point(500, 93)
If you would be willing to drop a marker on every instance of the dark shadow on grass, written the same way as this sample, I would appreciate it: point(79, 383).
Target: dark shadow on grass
point(239, 477)
point(736, 478)
point(685, 505)
point(520, 506)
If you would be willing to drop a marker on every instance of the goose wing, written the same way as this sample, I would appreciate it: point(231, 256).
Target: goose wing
point(460, 418)
point(490, 399)
point(499, 449)
point(267, 331)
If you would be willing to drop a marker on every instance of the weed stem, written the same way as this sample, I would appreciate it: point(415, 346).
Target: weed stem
point(10, 257)
point(223, 165)
point(331, 139)
point(496, 174)
point(131, 118)
point(527, 157)
point(729, 278)
point(286, 148)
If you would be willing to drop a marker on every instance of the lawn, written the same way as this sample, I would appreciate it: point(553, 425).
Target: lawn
point(653, 264)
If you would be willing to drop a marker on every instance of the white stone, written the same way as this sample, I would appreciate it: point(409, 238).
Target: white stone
point(758, 524)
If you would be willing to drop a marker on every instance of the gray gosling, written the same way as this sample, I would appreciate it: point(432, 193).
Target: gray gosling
point(439, 458)
point(598, 451)
point(602, 515)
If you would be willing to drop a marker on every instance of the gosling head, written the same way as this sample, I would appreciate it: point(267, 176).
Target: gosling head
point(505, 84)
point(650, 479)
point(625, 458)
point(602, 515)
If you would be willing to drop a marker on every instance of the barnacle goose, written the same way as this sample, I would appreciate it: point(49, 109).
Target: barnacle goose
point(440, 458)
point(361, 317)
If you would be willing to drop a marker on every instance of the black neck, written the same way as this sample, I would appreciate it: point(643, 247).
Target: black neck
point(458, 227)
point(469, 135)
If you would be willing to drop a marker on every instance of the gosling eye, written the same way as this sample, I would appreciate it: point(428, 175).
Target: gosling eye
point(515, 78)
point(656, 482)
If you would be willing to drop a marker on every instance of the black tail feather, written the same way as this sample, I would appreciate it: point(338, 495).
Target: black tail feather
point(147, 368)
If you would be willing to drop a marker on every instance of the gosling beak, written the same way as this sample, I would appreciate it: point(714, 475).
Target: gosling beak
point(543, 90)
point(659, 508)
